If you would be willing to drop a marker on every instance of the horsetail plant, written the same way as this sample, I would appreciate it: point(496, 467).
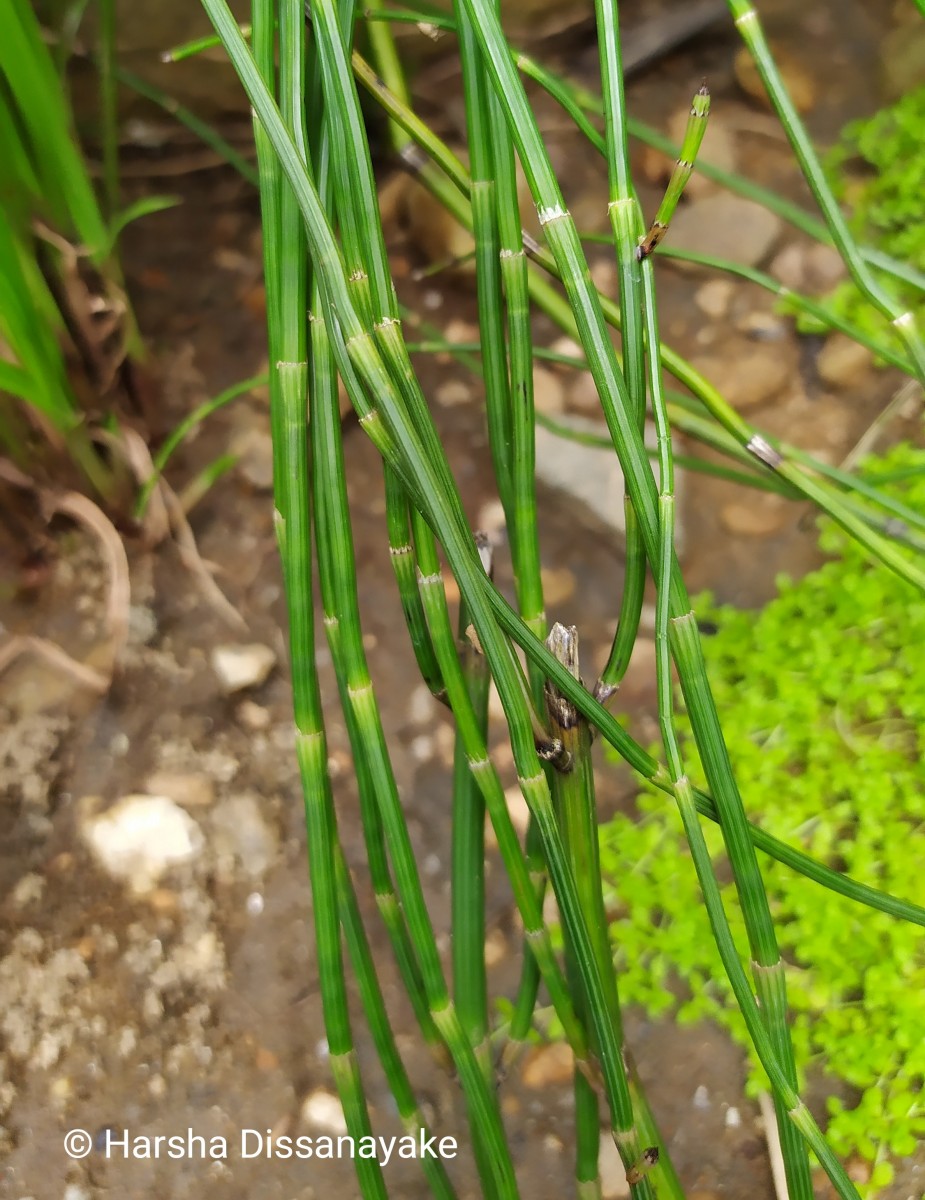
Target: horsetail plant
point(317, 183)
point(758, 447)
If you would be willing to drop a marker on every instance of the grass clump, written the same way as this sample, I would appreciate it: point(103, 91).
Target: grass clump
point(825, 718)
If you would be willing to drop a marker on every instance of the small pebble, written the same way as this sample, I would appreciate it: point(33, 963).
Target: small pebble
point(733, 1118)
point(140, 837)
point(119, 745)
point(27, 890)
point(142, 625)
point(189, 789)
point(751, 378)
point(265, 1060)
point(323, 1111)
point(422, 748)
point(701, 1097)
point(491, 519)
point(254, 904)
point(517, 807)
point(568, 346)
point(842, 362)
point(762, 327)
point(253, 716)
point(825, 267)
point(242, 666)
point(459, 332)
point(800, 84)
point(726, 226)
point(789, 267)
point(548, 1065)
point(714, 297)
point(495, 948)
point(420, 705)
point(452, 393)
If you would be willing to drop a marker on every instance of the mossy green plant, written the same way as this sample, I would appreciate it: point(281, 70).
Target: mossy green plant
point(878, 172)
point(825, 703)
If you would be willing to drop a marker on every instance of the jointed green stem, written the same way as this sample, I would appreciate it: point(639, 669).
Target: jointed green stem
point(377, 1016)
point(403, 442)
point(904, 322)
point(693, 136)
point(626, 224)
point(342, 627)
point(488, 263)
point(291, 490)
point(472, 737)
point(767, 967)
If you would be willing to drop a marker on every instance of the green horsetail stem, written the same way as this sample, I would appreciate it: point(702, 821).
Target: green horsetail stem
point(489, 784)
point(690, 146)
point(377, 1017)
point(573, 797)
point(904, 322)
point(767, 967)
point(489, 297)
point(288, 380)
point(467, 893)
point(750, 439)
point(345, 638)
point(359, 205)
point(562, 236)
point(355, 346)
point(626, 225)
point(467, 876)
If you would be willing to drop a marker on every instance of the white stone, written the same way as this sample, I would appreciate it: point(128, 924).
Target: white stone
point(142, 837)
point(323, 1111)
point(242, 666)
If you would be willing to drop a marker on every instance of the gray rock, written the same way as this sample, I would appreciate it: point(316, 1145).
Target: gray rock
point(590, 475)
point(726, 226)
point(241, 838)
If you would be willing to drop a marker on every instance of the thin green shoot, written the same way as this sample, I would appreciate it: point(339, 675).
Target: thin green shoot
point(690, 146)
